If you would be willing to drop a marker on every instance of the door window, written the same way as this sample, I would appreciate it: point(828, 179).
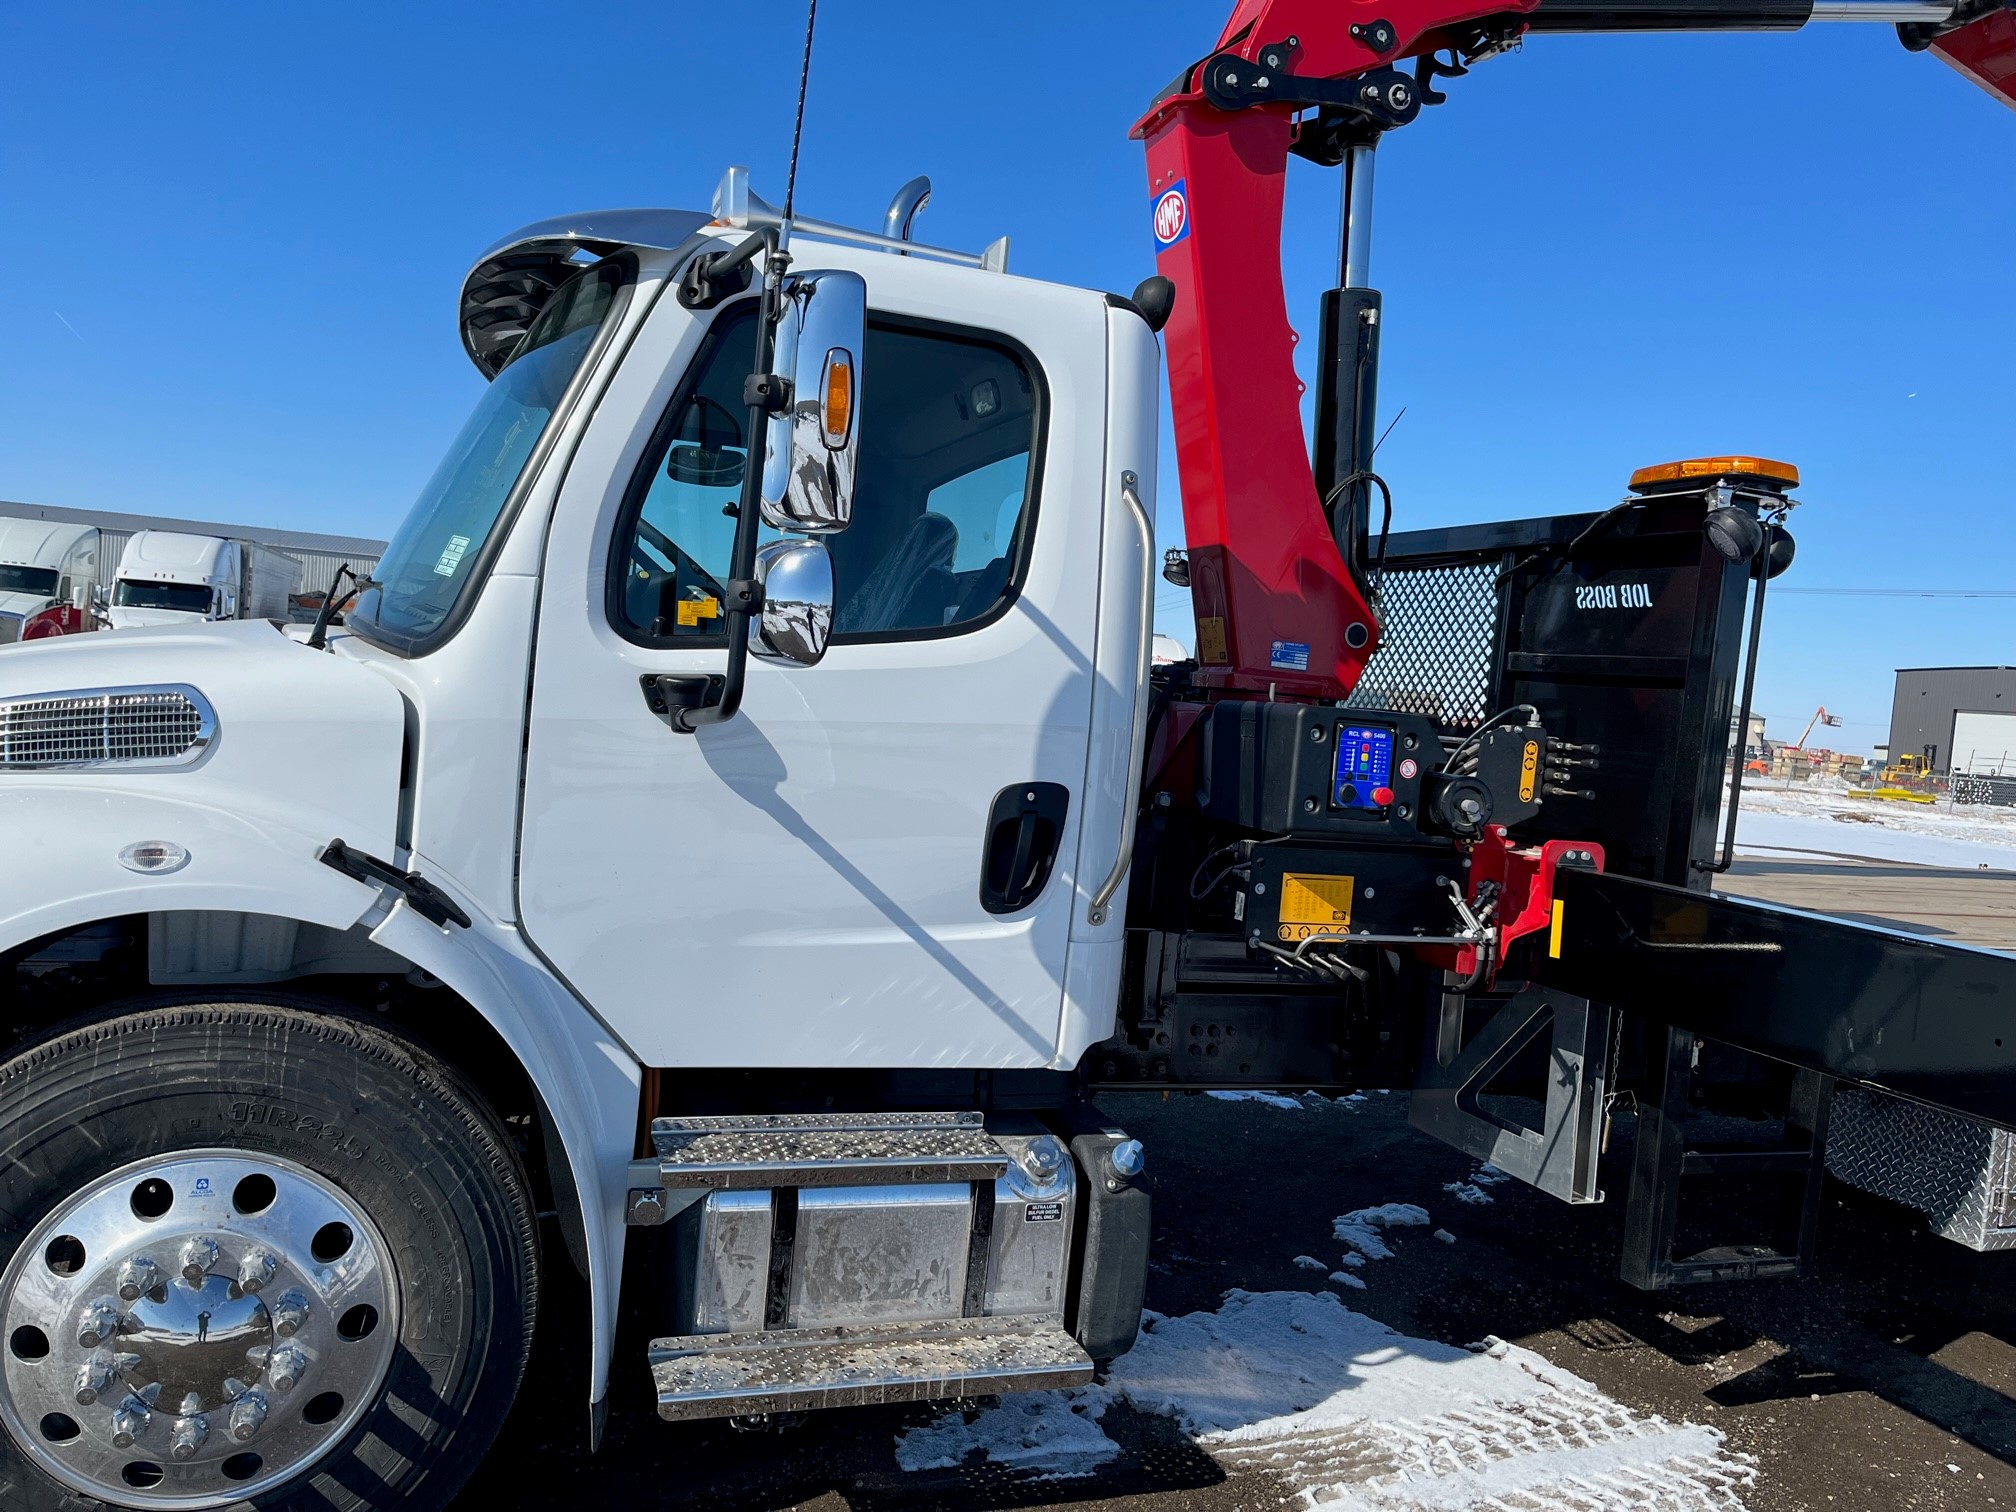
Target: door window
point(950, 428)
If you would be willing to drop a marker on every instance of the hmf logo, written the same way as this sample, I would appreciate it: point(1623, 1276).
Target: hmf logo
point(1172, 216)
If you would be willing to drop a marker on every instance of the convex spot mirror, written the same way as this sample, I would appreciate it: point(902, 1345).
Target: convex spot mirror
point(813, 445)
point(796, 619)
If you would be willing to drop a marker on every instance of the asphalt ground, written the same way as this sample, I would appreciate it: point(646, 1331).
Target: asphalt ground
point(1885, 1378)
point(1967, 907)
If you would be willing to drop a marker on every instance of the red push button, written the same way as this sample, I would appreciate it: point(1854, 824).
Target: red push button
point(1383, 796)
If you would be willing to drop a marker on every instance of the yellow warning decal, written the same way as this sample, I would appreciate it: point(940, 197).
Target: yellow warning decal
point(1312, 904)
point(1529, 771)
point(692, 611)
point(1554, 934)
point(1211, 640)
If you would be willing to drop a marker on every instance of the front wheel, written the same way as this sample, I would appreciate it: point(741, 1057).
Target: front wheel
point(252, 1255)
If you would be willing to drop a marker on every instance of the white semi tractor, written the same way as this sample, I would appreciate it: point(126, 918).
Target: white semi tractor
point(48, 578)
point(168, 577)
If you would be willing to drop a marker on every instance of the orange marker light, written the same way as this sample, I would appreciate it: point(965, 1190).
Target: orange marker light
point(837, 413)
point(1716, 467)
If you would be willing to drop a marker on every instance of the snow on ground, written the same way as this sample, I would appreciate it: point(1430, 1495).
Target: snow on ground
point(1272, 1099)
point(1055, 1435)
point(1361, 1228)
point(1812, 817)
point(1356, 1417)
point(1476, 1191)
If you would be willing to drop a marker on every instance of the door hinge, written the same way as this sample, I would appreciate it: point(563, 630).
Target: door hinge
point(422, 896)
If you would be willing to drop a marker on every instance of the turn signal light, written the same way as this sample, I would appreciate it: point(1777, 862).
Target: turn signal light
point(837, 413)
point(1716, 467)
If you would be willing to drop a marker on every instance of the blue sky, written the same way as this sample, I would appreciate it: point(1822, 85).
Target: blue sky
point(235, 233)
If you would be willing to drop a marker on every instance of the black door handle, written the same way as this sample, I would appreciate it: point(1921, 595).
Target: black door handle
point(1020, 849)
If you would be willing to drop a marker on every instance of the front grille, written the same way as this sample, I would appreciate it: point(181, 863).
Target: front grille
point(1436, 655)
point(10, 629)
point(88, 727)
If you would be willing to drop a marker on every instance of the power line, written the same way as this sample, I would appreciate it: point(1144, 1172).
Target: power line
point(1974, 593)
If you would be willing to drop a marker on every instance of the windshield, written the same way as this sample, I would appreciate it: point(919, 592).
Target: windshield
point(37, 580)
point(190, 598)
point(439, 552)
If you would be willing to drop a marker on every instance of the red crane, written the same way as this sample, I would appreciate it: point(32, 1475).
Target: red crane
point(1282, 562)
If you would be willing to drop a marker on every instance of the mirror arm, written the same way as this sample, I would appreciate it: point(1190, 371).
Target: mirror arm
point(744, 597)
point(714, 276)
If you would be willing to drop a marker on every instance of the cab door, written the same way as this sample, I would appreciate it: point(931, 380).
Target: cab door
point(803, 885)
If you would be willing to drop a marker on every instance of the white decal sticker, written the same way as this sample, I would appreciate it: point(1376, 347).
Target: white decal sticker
point(451, 556)
point(1613, 596)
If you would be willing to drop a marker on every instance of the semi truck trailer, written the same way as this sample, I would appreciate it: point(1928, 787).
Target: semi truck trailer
point(739, 818)
point(48, 579)
point(167, 577)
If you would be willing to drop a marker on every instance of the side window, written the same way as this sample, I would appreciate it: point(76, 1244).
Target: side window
point(676, 540)
point(942, 509)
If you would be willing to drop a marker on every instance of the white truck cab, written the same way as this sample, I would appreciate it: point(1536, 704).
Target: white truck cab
point(815, 975)
point(170, 577)
point(48, 575)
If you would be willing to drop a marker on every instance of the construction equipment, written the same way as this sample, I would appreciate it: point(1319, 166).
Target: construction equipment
point(1908, 779)
point(771, 911)
point(1820, 717)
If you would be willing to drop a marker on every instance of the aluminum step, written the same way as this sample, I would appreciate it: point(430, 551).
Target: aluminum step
point(796, 1370)
point(824, 1149)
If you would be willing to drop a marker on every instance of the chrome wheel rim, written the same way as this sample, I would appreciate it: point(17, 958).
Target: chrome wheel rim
point(192, 1330)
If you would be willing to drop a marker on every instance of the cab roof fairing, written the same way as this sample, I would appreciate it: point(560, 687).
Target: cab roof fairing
point(514, 278)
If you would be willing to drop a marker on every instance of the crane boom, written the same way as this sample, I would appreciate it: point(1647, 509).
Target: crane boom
point(1281, 562)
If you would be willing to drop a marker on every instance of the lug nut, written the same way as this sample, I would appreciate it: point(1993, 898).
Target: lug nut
point(198, 1256)
point(247, 1413)
point(255, 1270)
point(1127, 1158)
point(289, 1313)
point(284, 1366)
point(94, 1376)
point(137, 1277)
point(129, 1423)
point(98, 1322)
point(190, 1432)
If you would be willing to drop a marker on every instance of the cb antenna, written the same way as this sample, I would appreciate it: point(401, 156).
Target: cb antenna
point(798, 125)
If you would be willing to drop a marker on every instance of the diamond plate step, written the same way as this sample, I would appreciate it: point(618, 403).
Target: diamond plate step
point(796, 1370)
point(824, 1149)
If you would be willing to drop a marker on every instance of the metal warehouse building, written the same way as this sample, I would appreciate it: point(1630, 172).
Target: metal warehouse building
point(319, 555)
point(1963, 719)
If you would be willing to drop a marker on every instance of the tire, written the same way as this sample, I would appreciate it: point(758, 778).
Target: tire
point(340, 1114)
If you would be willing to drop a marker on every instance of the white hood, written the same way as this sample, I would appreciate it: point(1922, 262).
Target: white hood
point(24, 604)
point(306, 742)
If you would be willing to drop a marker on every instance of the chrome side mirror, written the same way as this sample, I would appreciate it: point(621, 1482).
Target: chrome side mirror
point(811, 448)
point(796, 620)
